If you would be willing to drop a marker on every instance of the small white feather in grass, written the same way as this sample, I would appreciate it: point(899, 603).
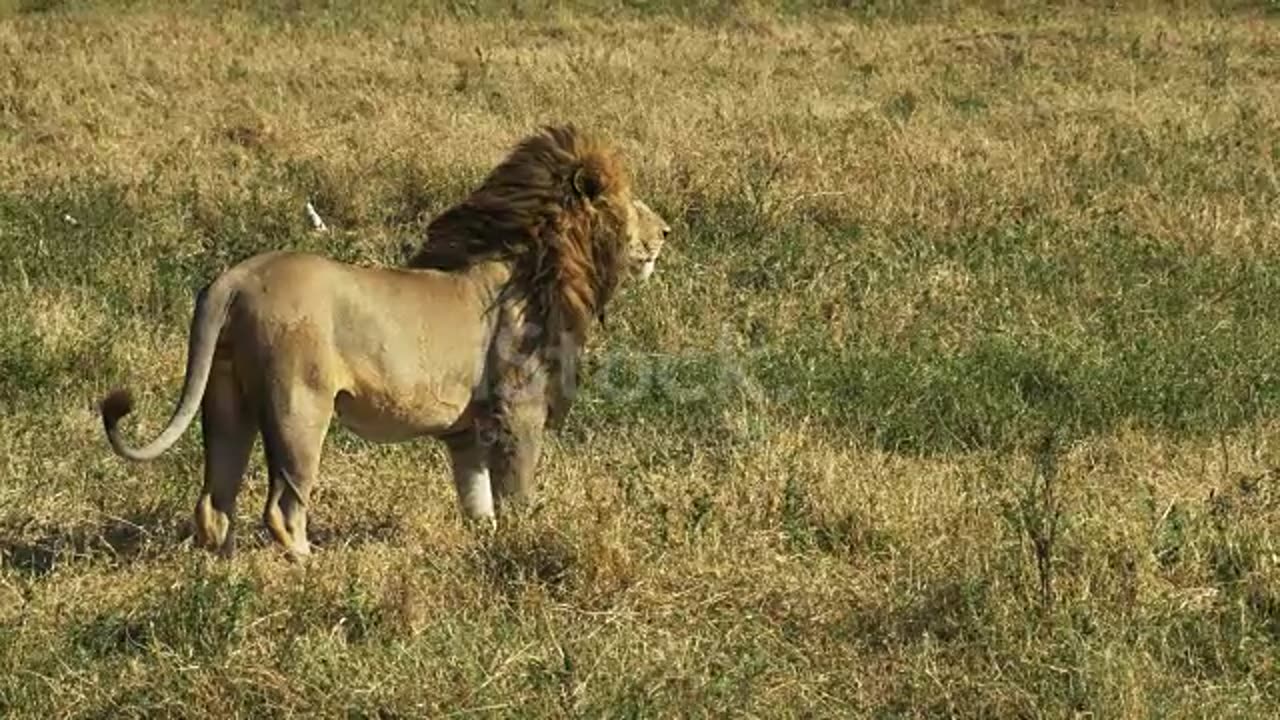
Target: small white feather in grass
point(314, 217)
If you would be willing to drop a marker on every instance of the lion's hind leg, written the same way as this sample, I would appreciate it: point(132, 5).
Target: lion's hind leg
point(229, 430)
point(293, 432)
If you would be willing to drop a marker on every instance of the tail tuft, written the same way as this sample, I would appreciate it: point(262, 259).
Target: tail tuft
point(114, 406)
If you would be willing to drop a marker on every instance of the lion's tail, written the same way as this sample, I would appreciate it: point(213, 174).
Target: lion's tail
point(212, 308)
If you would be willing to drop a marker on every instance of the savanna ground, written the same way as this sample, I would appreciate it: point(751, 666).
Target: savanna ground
point(957, 391)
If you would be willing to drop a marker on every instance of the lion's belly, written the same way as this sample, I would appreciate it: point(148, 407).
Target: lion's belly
point(401, 381)
point(384, 418)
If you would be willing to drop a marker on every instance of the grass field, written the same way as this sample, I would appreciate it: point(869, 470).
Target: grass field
point(956, 392)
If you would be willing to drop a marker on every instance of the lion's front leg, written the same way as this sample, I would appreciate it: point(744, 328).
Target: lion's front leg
point(513, 455)
point(470, 460)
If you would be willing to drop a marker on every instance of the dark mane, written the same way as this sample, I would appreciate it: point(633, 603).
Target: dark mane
point(557, 208)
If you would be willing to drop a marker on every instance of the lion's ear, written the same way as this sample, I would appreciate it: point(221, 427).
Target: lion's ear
point(586, 183)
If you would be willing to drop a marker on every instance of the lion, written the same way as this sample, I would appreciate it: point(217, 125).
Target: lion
point(475, 343)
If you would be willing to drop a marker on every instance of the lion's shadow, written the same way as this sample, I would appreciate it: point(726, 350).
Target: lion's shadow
point(116, 539)
point(123, 540)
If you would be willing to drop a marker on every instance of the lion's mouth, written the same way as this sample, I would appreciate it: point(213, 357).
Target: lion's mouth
point(646, 268)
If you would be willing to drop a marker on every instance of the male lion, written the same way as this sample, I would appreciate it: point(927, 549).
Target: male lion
point(475, 343)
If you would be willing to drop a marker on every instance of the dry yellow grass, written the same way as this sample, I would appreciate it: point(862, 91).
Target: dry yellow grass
point(955, 392)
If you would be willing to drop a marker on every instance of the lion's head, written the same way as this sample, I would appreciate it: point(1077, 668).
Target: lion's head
point(560, 208)
point(646, 246)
